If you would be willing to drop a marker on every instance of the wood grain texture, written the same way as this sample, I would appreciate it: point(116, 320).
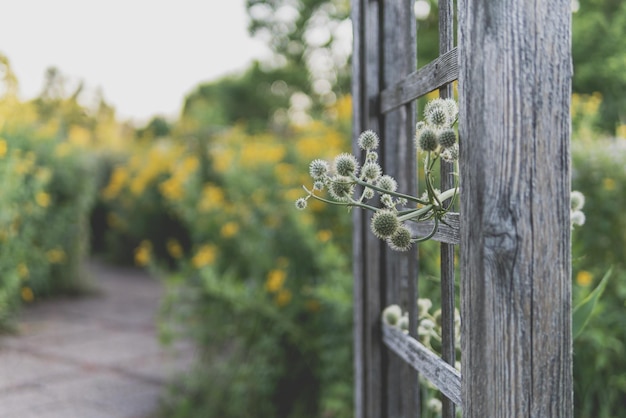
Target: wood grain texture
point(514, 88)
point(448, 349)
point(445, 377)
point(397, 157)
point(449, 234)
point(430, 77)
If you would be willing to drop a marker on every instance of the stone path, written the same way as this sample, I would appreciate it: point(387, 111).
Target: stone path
point(90, 357)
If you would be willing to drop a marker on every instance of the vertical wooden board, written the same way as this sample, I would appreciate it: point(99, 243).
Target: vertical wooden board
point(514, 84)
point(358, 120)
point(398, 160)
point(448, 351)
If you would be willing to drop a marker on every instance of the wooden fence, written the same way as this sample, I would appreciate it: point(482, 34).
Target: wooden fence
point(513, 64)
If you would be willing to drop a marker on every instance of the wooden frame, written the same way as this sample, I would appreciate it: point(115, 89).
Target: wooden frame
point(513, 63)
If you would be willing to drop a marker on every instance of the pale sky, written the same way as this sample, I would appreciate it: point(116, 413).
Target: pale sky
point(145, 55)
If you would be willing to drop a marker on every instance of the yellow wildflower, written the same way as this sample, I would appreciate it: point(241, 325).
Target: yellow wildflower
point(174, 248)
point(56, 256)
point(275, 280)
point(143, 253)
point(3, 147)
point(283, 297)
point(27, 294)
point(42, 199)
point(205, 256)
point(608, 184)
point(324, 235)
point(229, 229)
point(584, 278)
point(22, 271)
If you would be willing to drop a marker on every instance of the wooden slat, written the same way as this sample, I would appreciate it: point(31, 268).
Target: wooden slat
point(398, 160)
point(359, 117)
point(447, 234)
point(515, 86)
point(445, 377)
point(448, 348)
point(432, 76)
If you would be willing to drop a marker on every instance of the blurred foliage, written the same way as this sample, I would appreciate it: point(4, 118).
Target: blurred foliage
point(46, 194)
point(599, 54)
point(599, 172)
point(264, 292)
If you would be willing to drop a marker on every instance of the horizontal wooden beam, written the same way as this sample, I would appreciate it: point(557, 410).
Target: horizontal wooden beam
point(432, 76)
point(445, 377)
point(448, 234)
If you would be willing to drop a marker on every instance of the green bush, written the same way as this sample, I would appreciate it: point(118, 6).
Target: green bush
point(46, 195)
point(599, 173)
point(264, 291)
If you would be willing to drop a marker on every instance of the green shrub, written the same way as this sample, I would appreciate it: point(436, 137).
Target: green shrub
point(47, 192)
point(599, 173)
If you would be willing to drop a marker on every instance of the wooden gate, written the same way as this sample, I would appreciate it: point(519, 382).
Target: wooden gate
point(513, 63)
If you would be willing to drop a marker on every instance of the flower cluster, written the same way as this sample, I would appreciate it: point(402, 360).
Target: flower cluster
point(435, 136)
point(429, 328)
point(577, 201)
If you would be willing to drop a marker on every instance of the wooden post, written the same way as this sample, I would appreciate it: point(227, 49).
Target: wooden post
point(514, 83)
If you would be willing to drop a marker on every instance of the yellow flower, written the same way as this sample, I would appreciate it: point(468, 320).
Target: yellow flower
point(283, 297)
point(229, 229)
point(212, 198)
point(584, 278)
point(55, 256)
point(22, 271)
point(42, 199)
point(174, 248)
point(27, 294)
point(143, 253)
point(324, 235)
point(205, 256)
point(275, 280)
point(3, 147)
point(608, 183)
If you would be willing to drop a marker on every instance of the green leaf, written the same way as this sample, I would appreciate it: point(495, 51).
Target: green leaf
point(584, 310)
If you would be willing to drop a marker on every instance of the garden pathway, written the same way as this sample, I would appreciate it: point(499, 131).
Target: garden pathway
point(90, 357)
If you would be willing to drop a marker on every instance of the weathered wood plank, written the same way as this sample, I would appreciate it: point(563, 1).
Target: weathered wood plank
point(359, 117)
point(448, 349)
point(445, 377)
point(447, 234)
point(432, 76)
point(398, 160)
point(514, 86)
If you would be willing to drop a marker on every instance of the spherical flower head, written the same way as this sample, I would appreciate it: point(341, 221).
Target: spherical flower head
point(371, 171)
point(423, 306)
point(318, 185)
point(385, 223)
point(428, 140)
point(368, 140)
point(392, 314)
point(341, 188)
point(346, 165)
point(438, 117)
point(400, 240)
point(577, 217)
point(387, 201)
point(403, 323)
point(452, 108)
point(387, 183)
point(368, 193)
point(371, 157)
point(419, 126)
point(447, 138)
point(577, 200)
point(318, 169)
point(451, 154)
point(301, 203)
